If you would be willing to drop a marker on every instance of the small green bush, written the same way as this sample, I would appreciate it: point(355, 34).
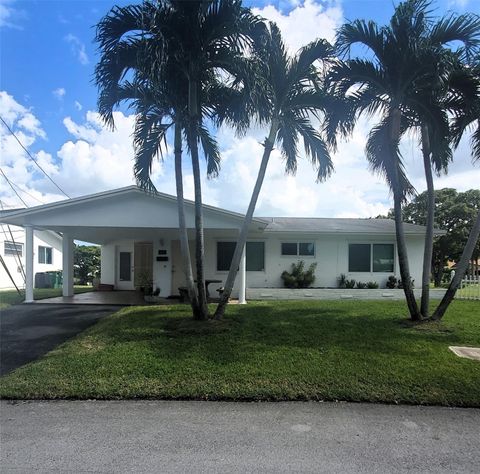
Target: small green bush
point(350, 283)
point(341, 280)
point(298, 277)
point(372, 285)
point(361, 285)
point(391, 282)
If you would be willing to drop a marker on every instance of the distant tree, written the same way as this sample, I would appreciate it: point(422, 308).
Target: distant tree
point(454, 212)
point(86, 263)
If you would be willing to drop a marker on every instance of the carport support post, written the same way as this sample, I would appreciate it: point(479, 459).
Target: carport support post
point(242, 298)
point(28, 264)
point(67, 258)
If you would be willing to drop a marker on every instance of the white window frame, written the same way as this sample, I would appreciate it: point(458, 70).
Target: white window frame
point(44, 248)
point(13, 252)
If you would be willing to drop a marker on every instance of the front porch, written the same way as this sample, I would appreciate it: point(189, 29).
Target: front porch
point(121, 298)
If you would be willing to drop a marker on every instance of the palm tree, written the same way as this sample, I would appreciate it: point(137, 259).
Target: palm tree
point(400, 82)
point(288, 92)
point(177, 46)
point(466, 107)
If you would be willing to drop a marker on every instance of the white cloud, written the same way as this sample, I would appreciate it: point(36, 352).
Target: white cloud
point(59, 93)
point(9, 15)
point(78, 105)
point(308, 21)
point(78, 49)
point(95, 159)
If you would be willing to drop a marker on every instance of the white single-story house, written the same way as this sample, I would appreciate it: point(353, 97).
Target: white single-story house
point(47, 254)
point(138, 234)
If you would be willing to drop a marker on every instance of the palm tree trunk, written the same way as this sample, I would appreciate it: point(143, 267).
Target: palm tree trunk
point(461, 269)
point(242, 238)
point(194, 112)
point(399, 230)
point(403, 259)
point(182, 227)
point(199, 234)
point(428, 249)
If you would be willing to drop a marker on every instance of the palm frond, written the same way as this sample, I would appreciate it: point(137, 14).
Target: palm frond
point(385, 159)
point(210, 151)
point(149, 139)
point(315, 148)
point(363, 32)
point(288, 139)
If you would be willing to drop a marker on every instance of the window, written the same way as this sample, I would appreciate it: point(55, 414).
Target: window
point(306, 249)
point(12, 248)
point(255, 255)
point(359, 258)
point(45, 255)
point(371, 258)
point(224, 255)
point(383, 258)
point(289, 248)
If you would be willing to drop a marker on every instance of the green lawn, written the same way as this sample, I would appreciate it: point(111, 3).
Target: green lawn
point(9, 297)
point(328, 350)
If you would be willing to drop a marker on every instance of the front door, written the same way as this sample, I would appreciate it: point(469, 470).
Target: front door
point(178, 276)
point(124, 269)
point(143, 267)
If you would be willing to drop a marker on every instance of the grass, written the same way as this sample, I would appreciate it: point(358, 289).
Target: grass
point(322, 350)
point(10, 297)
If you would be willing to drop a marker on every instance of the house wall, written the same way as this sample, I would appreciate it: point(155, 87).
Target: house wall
point(331, 256)
point(41, 238)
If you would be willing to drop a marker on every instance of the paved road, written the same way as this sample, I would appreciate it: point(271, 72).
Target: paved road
point(28, 331)
point(215, 437)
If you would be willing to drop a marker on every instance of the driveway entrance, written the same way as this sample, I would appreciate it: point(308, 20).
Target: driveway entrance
point(29, 331)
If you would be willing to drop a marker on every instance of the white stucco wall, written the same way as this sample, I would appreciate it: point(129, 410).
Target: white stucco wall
point(41, 238)
point(331, 255)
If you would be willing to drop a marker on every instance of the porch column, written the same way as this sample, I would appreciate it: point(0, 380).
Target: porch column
point(242, 290)
point(28, 264)
point(67, 267)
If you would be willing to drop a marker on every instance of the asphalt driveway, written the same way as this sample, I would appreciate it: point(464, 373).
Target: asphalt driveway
point(29, 331)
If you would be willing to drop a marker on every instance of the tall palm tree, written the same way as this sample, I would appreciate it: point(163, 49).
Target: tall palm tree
point(466, 109)
point(404, 62)
point(180, 46)
point(288, 92)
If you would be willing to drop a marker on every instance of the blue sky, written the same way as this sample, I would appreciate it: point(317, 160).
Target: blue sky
point(48, 58)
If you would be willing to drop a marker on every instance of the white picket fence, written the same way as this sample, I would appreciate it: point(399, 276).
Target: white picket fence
point(469, 289)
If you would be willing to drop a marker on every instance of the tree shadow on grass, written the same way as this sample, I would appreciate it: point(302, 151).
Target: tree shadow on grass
point(251, 332)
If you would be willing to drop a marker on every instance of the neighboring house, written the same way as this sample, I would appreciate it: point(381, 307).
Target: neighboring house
point(47, 250)
point(138, 233)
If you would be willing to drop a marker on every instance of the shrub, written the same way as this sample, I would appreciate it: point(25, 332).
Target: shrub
point(400, 284)
point(341, 280)
point(372, 285)
point(298, 277)
point(361, 286)
point(350, 283)
point(391, 282)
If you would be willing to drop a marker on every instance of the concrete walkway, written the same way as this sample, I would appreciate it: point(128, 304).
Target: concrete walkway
point(215, 437)
point(28, 331)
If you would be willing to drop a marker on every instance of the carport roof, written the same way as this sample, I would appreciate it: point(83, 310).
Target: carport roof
point(132, 213)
